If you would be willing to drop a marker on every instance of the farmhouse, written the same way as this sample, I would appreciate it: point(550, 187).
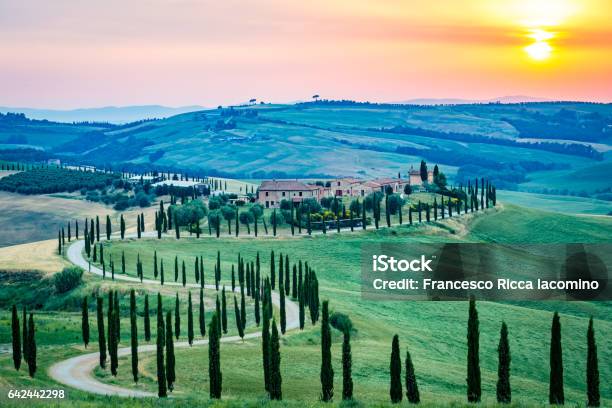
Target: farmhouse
point(197, 185)
point(414, 177)
point(271, 193)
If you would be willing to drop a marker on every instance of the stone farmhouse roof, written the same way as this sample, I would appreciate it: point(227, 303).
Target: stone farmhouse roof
point(286, 185)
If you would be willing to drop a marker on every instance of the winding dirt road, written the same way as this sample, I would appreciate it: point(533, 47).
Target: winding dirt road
point(77, 372)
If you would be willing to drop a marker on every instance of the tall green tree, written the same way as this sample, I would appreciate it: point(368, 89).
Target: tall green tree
point(272, 269)
point(16, 337)
point(412, 388)
point(32, 363)
point(147, 319)
point(202, 314)
point(283, 313)
point(122, 226)
point(276, 380)
point(223, 311)
point(238, 319)
point(265, 346)
point(395, 368)
point(108, 227)
point(555, 391)
point(177, 317)
point(101, 332)
point(133, 336)
point(170, 360)
point(504, 393)
point(592, 367)
point(327, 372)
point(214, 358)
point(190, 334)
point(85, 321)
point(347, 366)
point(473, 360)
point(162, 388)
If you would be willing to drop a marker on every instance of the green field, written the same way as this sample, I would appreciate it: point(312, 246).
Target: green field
point(562, 204)
point(434, 332)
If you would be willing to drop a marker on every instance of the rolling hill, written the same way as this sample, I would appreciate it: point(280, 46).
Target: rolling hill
point(513, 144)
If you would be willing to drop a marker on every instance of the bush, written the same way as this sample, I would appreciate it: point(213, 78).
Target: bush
point(68, 279)
point(340, 321)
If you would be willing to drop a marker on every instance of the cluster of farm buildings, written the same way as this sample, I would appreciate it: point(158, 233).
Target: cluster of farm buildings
point(271, 193)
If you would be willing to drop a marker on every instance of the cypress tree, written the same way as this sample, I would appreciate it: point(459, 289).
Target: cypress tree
point(223, 311)
point(218, 312)
point(176, 272)
point(283, 316)
point(214, 358)
point(101, 333)
point(272, 269)
point(233, 279)
point(16, 337)
point(24, 334)
point(387, 212)
point(276, 380)
point(123, 262)
point(177, 317)
point(281, 270)
point(265, 346)
point(97, 228)
point(412, 388)
point(147, 319)
point(84, 322)
point(473, 364)
point(189, 320)
point(108, 227)
point(133, 336)
point(177, 229)
point(395, 368)
point(592, 369)
point(122, 227)
point(161, 369)
point(257, 313)
point(287, 277)
point(112, 334)
point(31, 346)
point(504, 393)
point(347, 363)
point(327, 372)
point(294, 283)
point(274, 222)
point(202, 315)
point(363, 217)
point(183, 274)
point(555, 392)
point(161, 272)
point(243, 308)
point(170, 371)
point(301, 308)
point(238, 319)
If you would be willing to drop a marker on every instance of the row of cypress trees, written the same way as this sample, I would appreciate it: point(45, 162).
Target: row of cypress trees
point(24, 341)
point(503, 389)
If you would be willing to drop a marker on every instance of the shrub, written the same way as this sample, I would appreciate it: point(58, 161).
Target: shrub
point(68, 279)
point(340, 321)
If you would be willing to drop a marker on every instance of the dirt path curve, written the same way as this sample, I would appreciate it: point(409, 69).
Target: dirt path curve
point(76, 372)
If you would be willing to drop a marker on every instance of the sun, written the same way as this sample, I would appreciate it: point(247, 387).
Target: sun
point(540, 49)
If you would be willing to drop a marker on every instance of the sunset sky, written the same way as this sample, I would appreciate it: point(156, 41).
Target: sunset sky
point(69, 54)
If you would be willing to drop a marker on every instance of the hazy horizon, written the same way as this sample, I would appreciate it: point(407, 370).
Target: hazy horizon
point(70, 55)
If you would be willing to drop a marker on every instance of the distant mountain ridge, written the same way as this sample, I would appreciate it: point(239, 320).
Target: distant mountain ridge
point(111, 114)
point(457, 101)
